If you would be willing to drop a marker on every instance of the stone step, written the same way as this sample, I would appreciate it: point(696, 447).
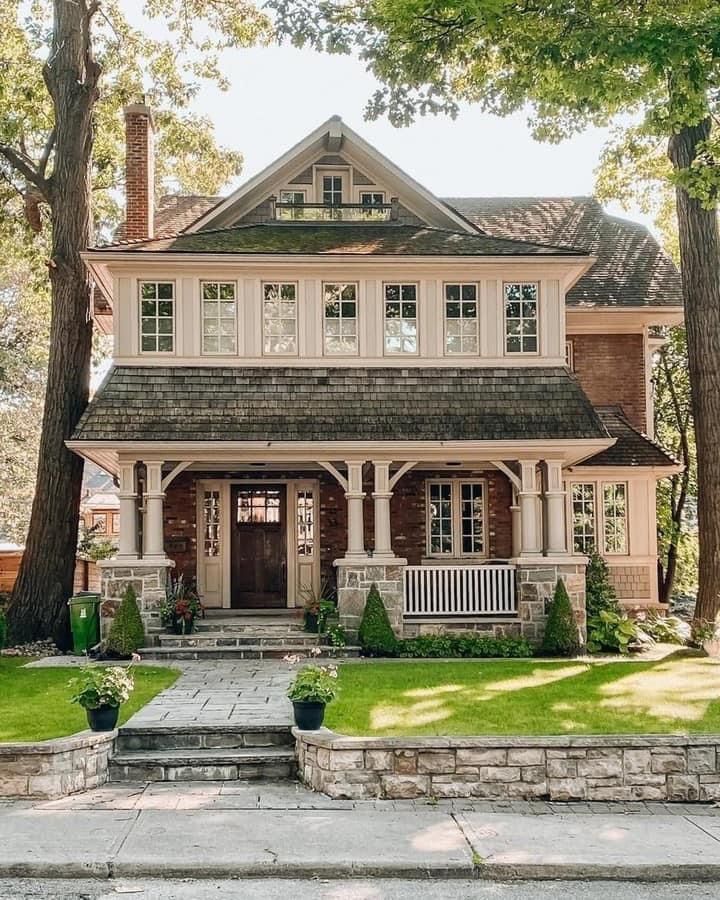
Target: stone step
point(239, 626)
point(237, 639)
point(251, 651)
point(203, 765)
point(206, 737)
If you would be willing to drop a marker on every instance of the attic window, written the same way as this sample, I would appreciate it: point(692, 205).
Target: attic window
point(332, 190)
point(372, 198)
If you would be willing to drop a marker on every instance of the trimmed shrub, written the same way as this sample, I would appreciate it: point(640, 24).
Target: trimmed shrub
point(465, 646)
point(561, 630)
point(3, 629)
point(127, 634)
point(376, 635)
point(599, 593)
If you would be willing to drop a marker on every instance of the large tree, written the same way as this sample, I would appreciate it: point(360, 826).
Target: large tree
point(61, 138)
point(575, 64)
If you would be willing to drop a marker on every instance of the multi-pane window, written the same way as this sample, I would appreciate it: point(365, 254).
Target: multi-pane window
point(461, 318)
point(401, 322)
point(258, 506)
point(280, 326)
point(211, 523)
point(332, 189)
point(372, 198)
point(521, 317)
point(295, 199)
point(456, 518)
point(583, 518)
point(292, 197)
point(305, 523)
point(340, 319)
point(157, 316)
point(99, 523)
point(615, 517)
point(219, 317)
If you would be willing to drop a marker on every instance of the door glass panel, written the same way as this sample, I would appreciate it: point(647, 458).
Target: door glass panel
point(258, 506)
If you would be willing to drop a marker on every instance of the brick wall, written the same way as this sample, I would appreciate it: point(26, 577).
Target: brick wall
point(611, 371)
point(180, 515)
point(139, 173)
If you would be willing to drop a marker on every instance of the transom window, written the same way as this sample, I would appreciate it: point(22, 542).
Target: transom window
point(340, 319)
point(332, 189)
point(258, 506)
point(589, 522)
point(219, 317)
point(372, 198)
point(461, 319)
point(305, 523)
point(456, 523)
point(401, 325)
point(521, 317)
point(211, 524)
point(280, 327)
point(157, 316)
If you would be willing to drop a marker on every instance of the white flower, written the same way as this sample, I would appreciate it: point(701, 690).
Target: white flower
point(316, 651)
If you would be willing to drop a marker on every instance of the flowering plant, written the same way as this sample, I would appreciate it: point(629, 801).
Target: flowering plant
point(314, 684)
point(96, 687)
point(181, 605)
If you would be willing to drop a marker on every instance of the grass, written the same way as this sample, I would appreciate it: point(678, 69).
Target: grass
point(35, 703)
point(527, 697)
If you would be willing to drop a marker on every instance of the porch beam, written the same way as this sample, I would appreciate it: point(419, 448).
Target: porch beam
point(172, 475)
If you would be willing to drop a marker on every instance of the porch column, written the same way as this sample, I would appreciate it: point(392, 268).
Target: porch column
point(555, 509)
point(515, 522)
point(530, 541)
point(355, 495)
point(154, 496)
point(127, 494)
point(381, 498)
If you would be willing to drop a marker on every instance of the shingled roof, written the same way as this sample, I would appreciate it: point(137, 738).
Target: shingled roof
point(632, 448)
point(173, 403)
point(342, 239)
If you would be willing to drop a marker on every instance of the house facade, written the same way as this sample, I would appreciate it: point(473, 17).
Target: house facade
point(332, 377)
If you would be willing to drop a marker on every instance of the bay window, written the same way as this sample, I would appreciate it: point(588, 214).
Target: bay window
point(599, 517)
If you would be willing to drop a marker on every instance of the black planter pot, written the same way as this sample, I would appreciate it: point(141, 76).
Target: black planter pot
point(311, 623)
point(104, 718)
point(309, 714)
point(182, 626)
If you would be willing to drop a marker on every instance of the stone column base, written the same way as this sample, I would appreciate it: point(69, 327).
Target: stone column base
point(354, 580)
point(147, 577)
point(536, 580)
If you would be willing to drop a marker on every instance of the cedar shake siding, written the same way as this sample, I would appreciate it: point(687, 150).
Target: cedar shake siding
point(611, 372)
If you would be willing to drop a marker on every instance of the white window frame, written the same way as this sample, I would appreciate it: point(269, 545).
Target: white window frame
point(265, 335)
point(570, 355)
point(599, 486)
point(401, 285)
point(156, 334)
point(300, 191)
point(341, 285)
point(456, 519)
point(593, 485)
point(212, 527)
point(203, 336)
point(521, 352)
point(380, 194)
point(461, 319)
point(322, 174)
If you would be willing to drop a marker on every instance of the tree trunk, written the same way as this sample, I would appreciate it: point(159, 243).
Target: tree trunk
point(700, 262)
point(38, 607)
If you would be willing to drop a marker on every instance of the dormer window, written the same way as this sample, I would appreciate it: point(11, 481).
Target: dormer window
point(332, 186)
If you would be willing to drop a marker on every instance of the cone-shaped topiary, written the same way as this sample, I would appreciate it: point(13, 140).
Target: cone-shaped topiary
point(126, 632)
point(561, 630)
point(376, 635)
point(599, 591)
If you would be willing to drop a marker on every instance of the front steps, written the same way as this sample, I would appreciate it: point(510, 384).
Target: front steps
point(212, 753)
point(242, 637)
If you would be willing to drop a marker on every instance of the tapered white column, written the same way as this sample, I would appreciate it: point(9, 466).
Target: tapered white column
point(153, 532)
point(381, 499)
point(127, 494)
point(355, 496)
point(530, 532)
point(555, 509)
point(515, 522)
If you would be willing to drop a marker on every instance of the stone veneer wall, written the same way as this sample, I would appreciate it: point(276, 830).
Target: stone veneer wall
point(46, 770)
point(149, 583)
point(612, 768)
point(353, 584)
point(536, 585)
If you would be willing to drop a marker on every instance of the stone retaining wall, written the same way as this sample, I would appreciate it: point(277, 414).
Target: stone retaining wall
point(46, 770)
point(612, 768)
point(149, 583)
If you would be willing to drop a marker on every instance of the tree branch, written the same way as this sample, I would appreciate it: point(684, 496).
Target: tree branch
point(25, 167)
point(47, 150)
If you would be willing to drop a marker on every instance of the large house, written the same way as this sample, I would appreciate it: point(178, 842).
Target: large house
point(333, 377)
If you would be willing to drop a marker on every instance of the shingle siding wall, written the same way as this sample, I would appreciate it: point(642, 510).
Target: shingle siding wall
point(611, 371)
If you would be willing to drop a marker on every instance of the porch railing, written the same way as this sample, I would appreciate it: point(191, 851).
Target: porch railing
point(487, 590)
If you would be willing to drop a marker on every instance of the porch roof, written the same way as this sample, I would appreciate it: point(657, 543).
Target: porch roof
point(632, 447)
point(178, 403)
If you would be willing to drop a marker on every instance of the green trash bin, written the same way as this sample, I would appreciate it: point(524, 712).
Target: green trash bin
point(85, 621)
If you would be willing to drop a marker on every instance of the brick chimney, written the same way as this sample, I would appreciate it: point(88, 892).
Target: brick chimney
point(139, 172)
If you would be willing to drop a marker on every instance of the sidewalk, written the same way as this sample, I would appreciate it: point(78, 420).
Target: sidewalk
point(249, 829)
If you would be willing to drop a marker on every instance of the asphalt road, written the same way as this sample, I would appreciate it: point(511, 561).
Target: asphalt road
point(269, 889)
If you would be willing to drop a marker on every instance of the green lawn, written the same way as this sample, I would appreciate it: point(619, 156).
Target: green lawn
point(527, 697)
point(35, 703)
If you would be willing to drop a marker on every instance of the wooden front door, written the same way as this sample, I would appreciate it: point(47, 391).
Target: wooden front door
point(259, 555)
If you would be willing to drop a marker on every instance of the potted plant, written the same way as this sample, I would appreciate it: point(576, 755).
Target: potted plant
point(313, 688)
point(181, 606)
point(101, 691)
point(318, 607)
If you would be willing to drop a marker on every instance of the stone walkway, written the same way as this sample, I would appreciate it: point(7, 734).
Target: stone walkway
point(246, 692)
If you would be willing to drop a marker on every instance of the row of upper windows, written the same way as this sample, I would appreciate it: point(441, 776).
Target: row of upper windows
point(340, 318)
